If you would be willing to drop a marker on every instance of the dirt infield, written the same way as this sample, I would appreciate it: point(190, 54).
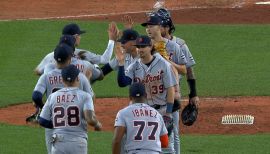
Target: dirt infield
point(209, 119)
point(184, 11)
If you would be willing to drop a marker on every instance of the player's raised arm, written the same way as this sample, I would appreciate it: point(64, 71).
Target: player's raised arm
point(122, 79)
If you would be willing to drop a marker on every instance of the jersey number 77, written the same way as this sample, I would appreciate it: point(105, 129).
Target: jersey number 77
point(142, 125)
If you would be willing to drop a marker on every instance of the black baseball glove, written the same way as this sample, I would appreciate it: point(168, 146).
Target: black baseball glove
point(168, 123)
point(189, 114)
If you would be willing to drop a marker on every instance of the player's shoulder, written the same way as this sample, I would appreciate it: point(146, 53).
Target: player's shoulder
point(124, 110)
point(135, 64)
point(50, 55)
point(179, 40)
point(85, 52)
point(170, 42)
point(160, 60)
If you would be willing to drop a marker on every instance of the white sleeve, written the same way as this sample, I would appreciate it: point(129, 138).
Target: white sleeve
point(85, 85)
point(88, 104)
point(46, 112)
point(114, 63)
point(119, 120)
point(188, 55)
point(41, 85)
point(130, 71)
point(96, 58)
point(46, 60)
point(106, 56)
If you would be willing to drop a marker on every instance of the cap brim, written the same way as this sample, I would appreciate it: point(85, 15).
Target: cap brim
point(148, 23)
point(121, 40)
point(82, 32)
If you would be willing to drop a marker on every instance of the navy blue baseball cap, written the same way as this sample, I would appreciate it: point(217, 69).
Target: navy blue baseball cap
point(143, 40)
point(137, 90)
point(62, 52)
point(128, 35)
point(70, 73)
point(152, 20)
point(69, 40)
point(72, 29)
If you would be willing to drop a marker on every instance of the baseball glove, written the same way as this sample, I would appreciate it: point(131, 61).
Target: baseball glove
point(161, 49)
point(168, 123)
point(189, 114)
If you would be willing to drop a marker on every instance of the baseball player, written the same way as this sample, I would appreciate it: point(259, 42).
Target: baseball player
point(67, 112)
point(142, 124)
point(166, 31)
point(127, 40)
point(73, 29)
point(155, 73)
point(84, 66)
point(52, 82)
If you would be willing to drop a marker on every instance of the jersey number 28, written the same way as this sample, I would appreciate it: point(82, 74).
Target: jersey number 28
point(69, 116)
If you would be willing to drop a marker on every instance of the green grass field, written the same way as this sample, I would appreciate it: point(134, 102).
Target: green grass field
point(232, 60)
point(21, 139)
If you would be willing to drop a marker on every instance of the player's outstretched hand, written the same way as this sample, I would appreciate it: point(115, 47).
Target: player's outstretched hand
point(128, 22)
point(113, 31)
point(119, 54)
point(98, 126)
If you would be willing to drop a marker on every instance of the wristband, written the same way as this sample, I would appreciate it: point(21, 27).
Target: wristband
point(192, 87)
point(169, 107)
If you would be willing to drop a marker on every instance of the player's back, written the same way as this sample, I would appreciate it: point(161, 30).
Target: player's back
point(67, 107)
point(53, 81)
point(144, 127)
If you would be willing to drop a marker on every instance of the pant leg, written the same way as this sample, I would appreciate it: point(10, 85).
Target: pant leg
point(57, 148)
point(176, 132)
point(170, 149)
point(48, 139)
point(76, 146)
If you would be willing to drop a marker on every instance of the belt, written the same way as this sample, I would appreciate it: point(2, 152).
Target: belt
point(127, 151)
point(156, 106)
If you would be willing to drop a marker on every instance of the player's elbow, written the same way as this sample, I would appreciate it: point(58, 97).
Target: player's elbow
point(37, 72)
point(45, 123)
point(164, 139)
point(37, 98)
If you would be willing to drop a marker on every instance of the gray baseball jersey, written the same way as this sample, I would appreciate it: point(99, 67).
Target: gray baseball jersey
point(65, 109)
point(156, 78)
point(144, 126)
point(128, 60)
point(175, 53)
point(82, 65)
point(52, 81)
point(184, 48)
point(91, 57)
point(96, 58)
